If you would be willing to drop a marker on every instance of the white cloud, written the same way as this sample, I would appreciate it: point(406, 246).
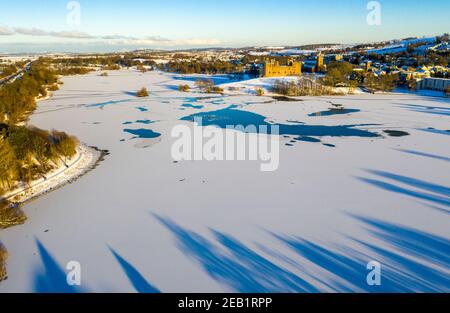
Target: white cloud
point(114, 37)
point(72, 34)
point(30, 31)
point(166, 42)
point(41, 33)
point(157, 38)
point(198, 42)
point(108, 39)
point(5, 31)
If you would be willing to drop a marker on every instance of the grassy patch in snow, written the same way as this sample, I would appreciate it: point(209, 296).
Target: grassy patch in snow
point(10, 215)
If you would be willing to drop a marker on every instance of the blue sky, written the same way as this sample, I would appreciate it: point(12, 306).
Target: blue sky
point(35, 24)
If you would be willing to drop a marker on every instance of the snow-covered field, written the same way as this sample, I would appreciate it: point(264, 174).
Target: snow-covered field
point(403, 45)
point(142, 222)
point(250, 86)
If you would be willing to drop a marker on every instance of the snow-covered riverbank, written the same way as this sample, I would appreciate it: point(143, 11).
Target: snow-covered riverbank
point(347, 194)
point(84, 160)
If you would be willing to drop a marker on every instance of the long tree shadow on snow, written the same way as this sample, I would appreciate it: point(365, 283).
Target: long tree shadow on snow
point(425, 154)
point(418, 189)
point(412, 261)
point(136, 279)
point(416, 243)
point(428, 109)
point(51, 278)
point(234, 264)
point(436, 131)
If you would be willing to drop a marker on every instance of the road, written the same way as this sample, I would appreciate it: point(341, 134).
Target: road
point(16, 75)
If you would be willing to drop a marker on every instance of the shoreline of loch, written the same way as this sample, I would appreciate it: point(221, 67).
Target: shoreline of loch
point(86, 159)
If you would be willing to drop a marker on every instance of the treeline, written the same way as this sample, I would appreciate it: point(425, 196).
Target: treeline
point(85, 65)
point(106, 62)
point(341, 74)
point(301, 87)
point(380, 83)
point(27, 153)
point(200, 67)
point(66, 71)
point(17, 99)
point(404, 58)
point(207, 85)
point(338, 73)
point(7, 69)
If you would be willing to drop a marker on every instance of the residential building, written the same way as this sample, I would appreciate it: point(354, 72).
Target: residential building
point(440, 84)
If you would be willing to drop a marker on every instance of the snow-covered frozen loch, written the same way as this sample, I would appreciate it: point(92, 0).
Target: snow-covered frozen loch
point(346, 193)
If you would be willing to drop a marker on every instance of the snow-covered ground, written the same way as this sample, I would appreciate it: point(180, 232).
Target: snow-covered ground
point(249, 86)
point(402, 45)
point(141, 222)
